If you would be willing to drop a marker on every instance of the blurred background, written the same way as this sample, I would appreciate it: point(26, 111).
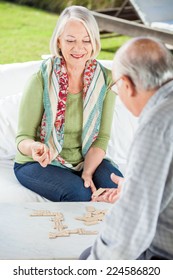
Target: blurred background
point(26, 27)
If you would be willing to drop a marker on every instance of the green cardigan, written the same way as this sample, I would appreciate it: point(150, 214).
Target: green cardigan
point(30, 116)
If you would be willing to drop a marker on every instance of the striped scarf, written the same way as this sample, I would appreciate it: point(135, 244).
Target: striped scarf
point(55, 79)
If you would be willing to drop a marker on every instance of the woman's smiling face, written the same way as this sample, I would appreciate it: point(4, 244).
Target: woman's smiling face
point(75, 43)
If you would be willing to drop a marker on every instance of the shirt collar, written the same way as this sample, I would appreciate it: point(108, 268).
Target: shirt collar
point(162, 93)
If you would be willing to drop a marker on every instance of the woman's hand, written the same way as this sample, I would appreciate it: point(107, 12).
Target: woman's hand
point(88, 182)
point(92, 160)
point(41, 153)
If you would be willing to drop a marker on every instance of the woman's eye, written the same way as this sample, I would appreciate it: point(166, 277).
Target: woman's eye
point(69, 41)
point(87, 42)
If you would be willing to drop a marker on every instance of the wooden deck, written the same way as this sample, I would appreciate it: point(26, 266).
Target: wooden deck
point(131, 28)
point(125, 11)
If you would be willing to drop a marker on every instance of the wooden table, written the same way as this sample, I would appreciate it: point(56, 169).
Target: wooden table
point(23, 236)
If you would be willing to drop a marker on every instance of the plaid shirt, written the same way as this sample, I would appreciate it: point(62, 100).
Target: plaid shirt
point(142, 219)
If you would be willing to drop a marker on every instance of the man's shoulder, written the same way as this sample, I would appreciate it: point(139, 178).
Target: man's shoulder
point(158, 121)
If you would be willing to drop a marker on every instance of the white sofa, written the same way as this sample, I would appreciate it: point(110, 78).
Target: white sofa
point(12, 80)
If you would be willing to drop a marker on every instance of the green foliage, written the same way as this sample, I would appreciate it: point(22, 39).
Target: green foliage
point(25, 32)
point(57, 6)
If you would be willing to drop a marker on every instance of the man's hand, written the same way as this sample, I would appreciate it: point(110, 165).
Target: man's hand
point(109, 195)
point(117, 180)
point(113, 194)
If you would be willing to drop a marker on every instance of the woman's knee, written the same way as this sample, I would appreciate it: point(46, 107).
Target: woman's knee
point(102, 174)
point(78, 193)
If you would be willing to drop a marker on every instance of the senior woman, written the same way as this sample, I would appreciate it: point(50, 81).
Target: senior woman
point(65, 116)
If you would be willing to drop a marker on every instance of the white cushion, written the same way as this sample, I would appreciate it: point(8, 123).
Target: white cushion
point(10, 189)
point(106, 63)
point(8, 125)
point(13, 77)
point(124, 125)
point(123, 128)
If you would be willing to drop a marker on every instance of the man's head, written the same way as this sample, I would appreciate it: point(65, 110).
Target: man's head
point(140, 67)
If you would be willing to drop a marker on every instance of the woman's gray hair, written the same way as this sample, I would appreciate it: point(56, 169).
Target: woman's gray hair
point(83, 15)
point(146, 61)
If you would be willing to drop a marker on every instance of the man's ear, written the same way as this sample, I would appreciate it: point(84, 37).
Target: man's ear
point(129, 86)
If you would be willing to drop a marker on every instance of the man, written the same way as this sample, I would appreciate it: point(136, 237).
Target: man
point(140, 223)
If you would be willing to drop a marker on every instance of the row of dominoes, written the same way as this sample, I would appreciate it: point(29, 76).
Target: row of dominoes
point(92, 217)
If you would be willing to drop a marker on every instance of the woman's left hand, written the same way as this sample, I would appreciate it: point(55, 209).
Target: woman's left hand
point(88, 182)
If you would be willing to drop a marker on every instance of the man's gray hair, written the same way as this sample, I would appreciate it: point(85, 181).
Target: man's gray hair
point(146, 61)
point(83, 15)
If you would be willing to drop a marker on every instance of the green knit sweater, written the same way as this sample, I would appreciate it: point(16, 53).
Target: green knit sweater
point(30, 116)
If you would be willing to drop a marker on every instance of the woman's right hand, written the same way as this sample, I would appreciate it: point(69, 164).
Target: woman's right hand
point(41, 153)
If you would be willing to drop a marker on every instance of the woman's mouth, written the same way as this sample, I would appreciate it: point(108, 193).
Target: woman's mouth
point(77, 56)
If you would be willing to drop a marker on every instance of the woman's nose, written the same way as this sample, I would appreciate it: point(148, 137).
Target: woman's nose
point(79, 46)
